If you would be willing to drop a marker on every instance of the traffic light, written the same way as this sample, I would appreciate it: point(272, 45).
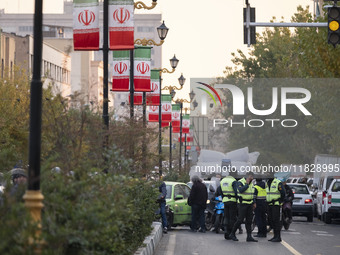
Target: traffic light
point(333, 25)
point(252, 29)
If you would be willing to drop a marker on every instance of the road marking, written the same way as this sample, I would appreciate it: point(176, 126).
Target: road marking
point(324, 235)
point(290, 248)
point(316, 231)
point(171, 245)
point(293, 233)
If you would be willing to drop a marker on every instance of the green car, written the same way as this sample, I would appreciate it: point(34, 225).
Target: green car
point(177, 209)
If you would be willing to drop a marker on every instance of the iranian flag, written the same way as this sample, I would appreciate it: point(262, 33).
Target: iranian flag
point(185, 124)
point(165, 124)
point(176, 115)
point(85, 25)
point(121, 24)
point(152, 98)
point(176, 130)
point(142, 70)
point(166, 108)
point(189, 138)
point(153, 113)
point(121, 71)
point(137, 98)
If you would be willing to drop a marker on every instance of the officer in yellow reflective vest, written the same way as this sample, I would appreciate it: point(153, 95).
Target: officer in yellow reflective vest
point(275, 195)
point(228, 190)
point(261, 207)
point(245, 191)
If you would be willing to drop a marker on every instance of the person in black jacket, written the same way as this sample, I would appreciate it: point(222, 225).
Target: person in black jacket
point(288, 199)
point(162, 202)
point(198, 202)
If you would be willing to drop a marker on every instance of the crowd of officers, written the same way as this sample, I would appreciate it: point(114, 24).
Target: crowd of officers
point(242, 197)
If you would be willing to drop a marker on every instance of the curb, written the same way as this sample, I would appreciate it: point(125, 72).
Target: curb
point(152, 240)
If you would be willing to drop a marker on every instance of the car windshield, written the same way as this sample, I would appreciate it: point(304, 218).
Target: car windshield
point(168, 191)
point(336, 187)
point(299, 189)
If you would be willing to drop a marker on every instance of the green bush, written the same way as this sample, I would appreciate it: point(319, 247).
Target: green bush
point(83, 214)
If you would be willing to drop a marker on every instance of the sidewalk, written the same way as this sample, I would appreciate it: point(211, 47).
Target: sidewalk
point(152, 240)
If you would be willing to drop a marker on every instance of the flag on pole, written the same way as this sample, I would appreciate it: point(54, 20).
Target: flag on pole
point(189, 138)
point(166, 107)
point(176, 115)
point(185, 124)
point(121, 24)
point(176, 129)
point(121, 71)
point(153, 113)
point(142, 70)
point(85, 25)
point(153, 97)
point(137, 98)
point(165, 124)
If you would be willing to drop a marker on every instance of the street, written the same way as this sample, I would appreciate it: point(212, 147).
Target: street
point(314, 238)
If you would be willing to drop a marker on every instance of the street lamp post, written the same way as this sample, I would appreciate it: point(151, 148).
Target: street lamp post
point(33, 196)
point(173, 63)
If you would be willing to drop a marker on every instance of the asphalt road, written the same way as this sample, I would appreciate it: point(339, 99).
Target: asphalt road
point(306, 238)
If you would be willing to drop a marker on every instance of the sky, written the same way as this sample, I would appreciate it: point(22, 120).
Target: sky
point(202, 33)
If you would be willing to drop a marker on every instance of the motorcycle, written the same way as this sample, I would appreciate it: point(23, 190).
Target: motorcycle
point(219, 214)
point(286, 207)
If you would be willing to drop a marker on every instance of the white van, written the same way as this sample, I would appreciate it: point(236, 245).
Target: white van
point(328, 198)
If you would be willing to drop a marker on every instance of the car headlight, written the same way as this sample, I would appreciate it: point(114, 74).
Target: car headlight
point(208, 201)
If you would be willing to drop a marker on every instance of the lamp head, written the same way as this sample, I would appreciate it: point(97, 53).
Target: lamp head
point(174, 62)
point(162, 31)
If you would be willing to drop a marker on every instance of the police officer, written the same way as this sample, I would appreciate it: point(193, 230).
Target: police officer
point(260, 210)
point(275, 196)
point(228, 190)
point(245, 208)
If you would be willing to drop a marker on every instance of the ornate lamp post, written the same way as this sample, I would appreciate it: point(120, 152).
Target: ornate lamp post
point(181, 101)
point(173, 63)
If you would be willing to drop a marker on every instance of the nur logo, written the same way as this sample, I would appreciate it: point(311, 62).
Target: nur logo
point(209, 93)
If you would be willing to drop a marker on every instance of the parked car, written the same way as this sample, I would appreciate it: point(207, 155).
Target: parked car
point(327, 197)
point(178, 210)
point(303, 201)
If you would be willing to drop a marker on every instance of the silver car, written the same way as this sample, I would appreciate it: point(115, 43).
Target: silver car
point(303, 201)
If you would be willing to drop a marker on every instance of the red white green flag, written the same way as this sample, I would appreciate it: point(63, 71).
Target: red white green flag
point(121, 24)
point(189, 138)
point(166, 108)
point(153, 113)
point(185, 124)
point(153, 97)
point(176, 115)
point(121, 71)
point(165, 124)
point(176, 130)
point(137, 98)
point(85, 25)
point(142, 70)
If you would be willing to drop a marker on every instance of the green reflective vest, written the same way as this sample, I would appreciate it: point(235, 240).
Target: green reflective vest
point(247, 197)
point(273, 193)
point(227, 189)
point(261, 193)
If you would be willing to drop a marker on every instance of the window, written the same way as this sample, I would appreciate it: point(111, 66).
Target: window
point(177, 191)
point(336, 187)
point(145, 29)
point(168, 191)
point(299, 189)
point(186, 191)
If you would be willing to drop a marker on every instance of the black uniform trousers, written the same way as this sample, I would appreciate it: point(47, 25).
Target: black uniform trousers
point(274, 215)
point(260, 218)
point(244, 211)
point(230, 216)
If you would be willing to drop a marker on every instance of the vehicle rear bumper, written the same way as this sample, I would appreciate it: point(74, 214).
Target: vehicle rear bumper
point(334, 209)
point(298, 210)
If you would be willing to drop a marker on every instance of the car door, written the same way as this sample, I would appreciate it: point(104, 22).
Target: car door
point(335, 193)
point(186, 207)
point(179, 205)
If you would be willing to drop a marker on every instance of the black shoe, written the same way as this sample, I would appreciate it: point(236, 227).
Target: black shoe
point(165, 230)
point(233, 237)
point(227, 236)
point(251, 239)
point(260, 235)
point(276, 240)
point(271, 239)
point(240, 231)
point(202, 231)
point(192, 230)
